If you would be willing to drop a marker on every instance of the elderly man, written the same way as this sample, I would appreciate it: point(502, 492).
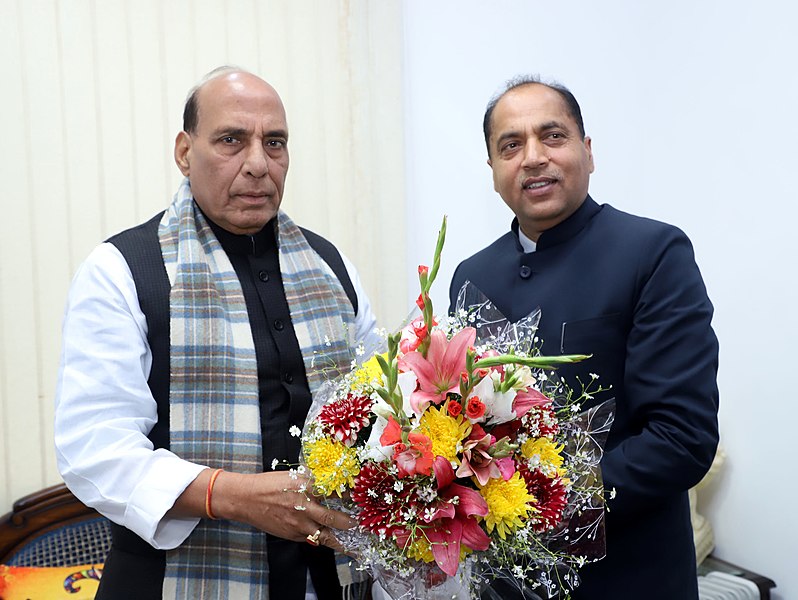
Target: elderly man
point(626, 290)
point(191, 346)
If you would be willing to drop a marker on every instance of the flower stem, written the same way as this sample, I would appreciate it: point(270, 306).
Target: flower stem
point(539, 362)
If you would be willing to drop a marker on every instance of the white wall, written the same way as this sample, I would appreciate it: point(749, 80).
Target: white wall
point(92, 98)
point(691, 109)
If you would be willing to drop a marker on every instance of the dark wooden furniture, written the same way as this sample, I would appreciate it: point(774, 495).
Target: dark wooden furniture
point(52, 528)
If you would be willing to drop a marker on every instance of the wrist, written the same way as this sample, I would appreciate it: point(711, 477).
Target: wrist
point(228, 498)
point(209, 494)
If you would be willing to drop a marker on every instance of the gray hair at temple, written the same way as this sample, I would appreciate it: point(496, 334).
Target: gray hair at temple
point(191, 109)
point(521, 80)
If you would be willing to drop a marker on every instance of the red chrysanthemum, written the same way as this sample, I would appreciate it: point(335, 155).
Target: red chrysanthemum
point(550, 495)
point(344, 418)
point(375, 492)
point(541, 421)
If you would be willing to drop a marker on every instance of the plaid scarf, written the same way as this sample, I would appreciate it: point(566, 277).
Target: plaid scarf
point(213, 396)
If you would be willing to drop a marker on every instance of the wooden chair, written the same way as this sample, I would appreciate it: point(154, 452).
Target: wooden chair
point(52, 528)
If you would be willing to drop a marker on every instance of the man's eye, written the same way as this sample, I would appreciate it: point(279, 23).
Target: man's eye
point(229, 139)
point(275, 143)
point(510, 146)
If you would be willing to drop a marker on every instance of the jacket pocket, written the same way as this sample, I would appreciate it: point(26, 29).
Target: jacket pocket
point(598, 335)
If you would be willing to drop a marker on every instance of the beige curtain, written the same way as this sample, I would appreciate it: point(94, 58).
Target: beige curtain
point(92, 99)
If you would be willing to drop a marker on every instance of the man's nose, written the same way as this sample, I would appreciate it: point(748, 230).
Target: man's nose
point(535, 154)
point(257, 161)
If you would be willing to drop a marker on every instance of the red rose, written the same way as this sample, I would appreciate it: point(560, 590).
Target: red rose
point(454, 408)
point(475, 408)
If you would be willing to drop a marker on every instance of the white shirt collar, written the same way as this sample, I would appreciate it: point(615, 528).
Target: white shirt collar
point(527, 244)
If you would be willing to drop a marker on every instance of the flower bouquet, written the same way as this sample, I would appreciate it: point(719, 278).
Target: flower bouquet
point(461, 456)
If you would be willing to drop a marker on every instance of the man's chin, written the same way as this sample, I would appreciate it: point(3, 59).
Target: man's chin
point(252, 221)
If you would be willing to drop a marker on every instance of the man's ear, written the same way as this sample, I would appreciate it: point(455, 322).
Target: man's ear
point(495, 186)
point(183, 152)
point(589, 148)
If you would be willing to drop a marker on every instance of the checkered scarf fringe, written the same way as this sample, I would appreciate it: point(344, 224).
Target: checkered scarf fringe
point(214, 405)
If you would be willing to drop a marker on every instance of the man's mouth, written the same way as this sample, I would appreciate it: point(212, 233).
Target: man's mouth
point(536, 184)
point(253, 196)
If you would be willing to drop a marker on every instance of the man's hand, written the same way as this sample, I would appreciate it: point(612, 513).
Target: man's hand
point(277, 503)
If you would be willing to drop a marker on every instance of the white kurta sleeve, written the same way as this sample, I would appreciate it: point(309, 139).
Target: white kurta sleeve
point(104, 408)
point(365, 321)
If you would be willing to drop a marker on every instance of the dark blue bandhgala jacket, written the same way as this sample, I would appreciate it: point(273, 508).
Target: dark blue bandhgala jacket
point(627, 290)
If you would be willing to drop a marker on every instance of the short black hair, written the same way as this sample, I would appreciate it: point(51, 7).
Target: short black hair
point(521, 80)
point(190, 115)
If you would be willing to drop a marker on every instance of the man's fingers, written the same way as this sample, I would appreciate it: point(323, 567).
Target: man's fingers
point(335, 519)
point(327, 538)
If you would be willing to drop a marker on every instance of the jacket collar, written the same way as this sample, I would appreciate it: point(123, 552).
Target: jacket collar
point(562, 232)
point(257, 244)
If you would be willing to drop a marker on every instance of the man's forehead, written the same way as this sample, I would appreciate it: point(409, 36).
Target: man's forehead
point(533, 104)
point(240, 104)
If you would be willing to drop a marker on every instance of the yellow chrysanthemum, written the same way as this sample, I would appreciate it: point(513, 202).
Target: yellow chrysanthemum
point(334, 466)
point(369, 373)
point(549, 454)
point(420, 549)
point(446, 432)
point(508, 503)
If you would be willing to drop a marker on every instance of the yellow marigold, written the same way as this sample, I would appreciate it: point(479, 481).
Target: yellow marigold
point(334, 466)
point(549, 454)
point(508, 503)
point(369, 373)
point(446, 432)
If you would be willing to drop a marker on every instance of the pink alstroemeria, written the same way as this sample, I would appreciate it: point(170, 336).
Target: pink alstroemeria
point(477, 460)
point(454, 523)
point(392, 433)
point(415, 459)
point(410, 460)
point(527, 399)
point(439, 373)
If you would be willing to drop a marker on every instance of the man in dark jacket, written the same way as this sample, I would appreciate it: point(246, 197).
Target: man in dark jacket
point(189, 352)
point(627, 290)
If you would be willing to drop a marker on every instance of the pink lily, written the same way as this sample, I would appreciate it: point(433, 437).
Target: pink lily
point(438, 373)
point(477, 460)
point(506, 467)
point(453, 523)
point(527, 399)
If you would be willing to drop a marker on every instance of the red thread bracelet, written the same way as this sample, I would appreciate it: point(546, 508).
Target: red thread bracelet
point(209, 493)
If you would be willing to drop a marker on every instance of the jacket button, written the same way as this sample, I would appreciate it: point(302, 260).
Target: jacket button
point(263, 276)
point(288, 378)
point(278, 325)
point(525, 272)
